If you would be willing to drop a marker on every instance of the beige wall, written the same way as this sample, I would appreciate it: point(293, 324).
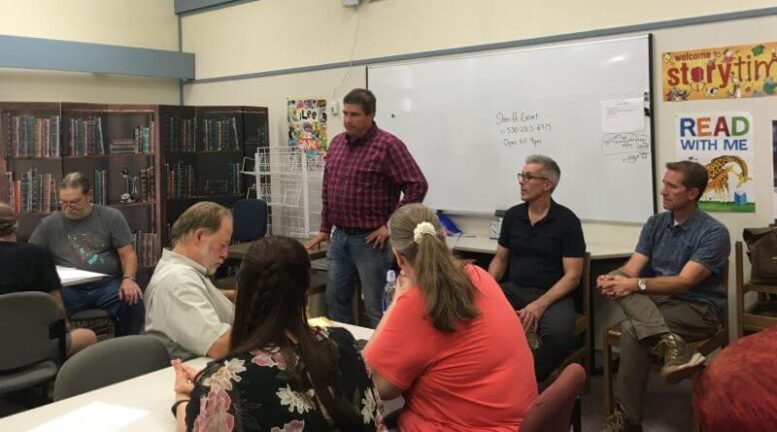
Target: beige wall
point(278, 34)
point(136, 23)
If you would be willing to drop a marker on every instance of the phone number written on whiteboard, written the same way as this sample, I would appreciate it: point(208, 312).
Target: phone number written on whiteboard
point(521, 128)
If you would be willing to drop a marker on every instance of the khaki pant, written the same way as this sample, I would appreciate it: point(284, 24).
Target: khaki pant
point(648, 316)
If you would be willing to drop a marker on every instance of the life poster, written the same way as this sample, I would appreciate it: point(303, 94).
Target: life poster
point(307, 124)
point(723, 143)
point(742, 71)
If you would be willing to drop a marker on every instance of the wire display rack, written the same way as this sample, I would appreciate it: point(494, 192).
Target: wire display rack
point(290, 181)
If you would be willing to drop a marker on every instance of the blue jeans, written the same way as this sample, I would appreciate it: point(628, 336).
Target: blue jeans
point(350, 257)
point(105, 295)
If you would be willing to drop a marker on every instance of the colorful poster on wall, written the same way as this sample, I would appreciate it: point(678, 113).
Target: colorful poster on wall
point(720, 73)
point(723, 143)
point(307, 124)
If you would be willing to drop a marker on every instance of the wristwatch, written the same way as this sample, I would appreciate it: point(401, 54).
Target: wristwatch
point(642, 284)
point(129, 277)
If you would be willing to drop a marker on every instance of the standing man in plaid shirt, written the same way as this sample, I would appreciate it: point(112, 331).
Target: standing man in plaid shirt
point(366, 170)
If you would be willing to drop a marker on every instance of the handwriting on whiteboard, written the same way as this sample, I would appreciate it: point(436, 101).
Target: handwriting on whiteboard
point(521, 128)
point(625, 143)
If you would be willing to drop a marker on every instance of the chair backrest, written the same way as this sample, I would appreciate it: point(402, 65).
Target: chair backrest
point(28, 323)
point(109, 362)
point(552, 410)
point(249, 218)
point(582, 294)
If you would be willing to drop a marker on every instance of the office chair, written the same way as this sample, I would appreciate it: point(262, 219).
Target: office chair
point(29, 324)
point(109, 362)
point(552, 410)
point(249, 217)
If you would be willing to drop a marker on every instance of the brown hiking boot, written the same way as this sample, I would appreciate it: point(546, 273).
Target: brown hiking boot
point(680, 362)
point(617, 422)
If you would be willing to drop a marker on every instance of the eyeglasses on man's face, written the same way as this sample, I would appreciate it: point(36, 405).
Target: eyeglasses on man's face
point(530, 177)
point(71, 204)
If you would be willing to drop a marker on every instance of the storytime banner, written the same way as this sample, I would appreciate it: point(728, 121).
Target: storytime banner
point(723, 143)
point(720, 73)
point(307, 124)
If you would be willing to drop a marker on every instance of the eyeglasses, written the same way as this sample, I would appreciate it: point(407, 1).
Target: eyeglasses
point(71, 204)
point(529, 177)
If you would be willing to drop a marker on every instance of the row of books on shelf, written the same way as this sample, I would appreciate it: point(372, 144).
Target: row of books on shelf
point(147, 248)
point(220, 134)
point(100, 187)
point(140, 143)
point(86, 138)
point(182, 135)
point(31, 136)
point(32, 193)
point(180, 180)
point(147, 189)
point(234, 178)
point(139, 188)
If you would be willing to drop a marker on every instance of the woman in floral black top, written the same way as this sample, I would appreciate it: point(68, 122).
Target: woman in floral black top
point(280, 375)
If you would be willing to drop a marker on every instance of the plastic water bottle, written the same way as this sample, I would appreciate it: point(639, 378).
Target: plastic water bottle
point(388, 290)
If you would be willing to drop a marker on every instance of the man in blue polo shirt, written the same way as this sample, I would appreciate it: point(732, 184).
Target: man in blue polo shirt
point(541, 248)
point(686, 252)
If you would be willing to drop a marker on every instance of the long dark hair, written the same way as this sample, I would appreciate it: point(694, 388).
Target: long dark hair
point(449, 294)
point(271, 299)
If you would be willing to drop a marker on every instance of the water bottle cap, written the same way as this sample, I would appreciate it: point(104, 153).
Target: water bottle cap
point(391, 276)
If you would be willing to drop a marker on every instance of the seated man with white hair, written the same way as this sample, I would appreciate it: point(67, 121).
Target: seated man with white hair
point(183, 308)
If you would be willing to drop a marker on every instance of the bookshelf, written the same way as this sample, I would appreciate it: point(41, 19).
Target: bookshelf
point(113, 145)
point(31, 160)
point(151, 162)
point(203, 152)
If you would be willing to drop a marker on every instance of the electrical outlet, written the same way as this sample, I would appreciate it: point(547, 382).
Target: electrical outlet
point(334, 108)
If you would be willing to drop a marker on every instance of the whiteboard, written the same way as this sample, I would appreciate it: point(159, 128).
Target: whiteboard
point(471, 121)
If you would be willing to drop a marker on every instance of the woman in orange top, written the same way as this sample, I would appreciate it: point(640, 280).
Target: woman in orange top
point(450, 342)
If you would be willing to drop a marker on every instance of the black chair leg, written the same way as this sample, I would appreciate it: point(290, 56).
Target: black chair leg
point(577, 422)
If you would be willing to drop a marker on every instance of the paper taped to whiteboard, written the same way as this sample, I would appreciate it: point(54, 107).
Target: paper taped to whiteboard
point(623, 115)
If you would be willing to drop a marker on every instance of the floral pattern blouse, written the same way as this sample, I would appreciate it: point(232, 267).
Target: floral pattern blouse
point(255, 391)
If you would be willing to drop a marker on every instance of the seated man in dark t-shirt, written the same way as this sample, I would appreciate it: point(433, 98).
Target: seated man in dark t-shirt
point(542, 244)
point(27, 267)
point(94, 238)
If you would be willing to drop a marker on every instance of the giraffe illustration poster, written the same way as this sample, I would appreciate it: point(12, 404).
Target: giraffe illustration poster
point(723, 143)
point(307, 124)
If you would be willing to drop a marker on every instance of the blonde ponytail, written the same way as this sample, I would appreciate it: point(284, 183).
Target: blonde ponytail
point(450, 297)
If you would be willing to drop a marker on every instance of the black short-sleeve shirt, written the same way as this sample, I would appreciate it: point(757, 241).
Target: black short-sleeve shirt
point(26, 267)
point(536, 252)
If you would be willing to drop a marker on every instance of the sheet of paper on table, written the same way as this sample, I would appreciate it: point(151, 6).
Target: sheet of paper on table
point(96, 416)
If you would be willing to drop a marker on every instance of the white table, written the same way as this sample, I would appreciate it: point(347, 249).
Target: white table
point(151, 392)
point(70, 276)
point(486, 245)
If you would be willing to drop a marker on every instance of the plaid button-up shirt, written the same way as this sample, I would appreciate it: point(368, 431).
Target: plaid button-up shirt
point(363, 180)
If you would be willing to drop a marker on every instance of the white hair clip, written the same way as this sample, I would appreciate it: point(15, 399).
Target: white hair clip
point(421, 229)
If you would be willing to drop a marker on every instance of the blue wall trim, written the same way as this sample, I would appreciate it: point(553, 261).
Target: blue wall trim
point(614, 31)
point(49, 54)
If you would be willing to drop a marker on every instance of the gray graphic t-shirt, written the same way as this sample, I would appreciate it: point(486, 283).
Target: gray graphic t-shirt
point(88, 244)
